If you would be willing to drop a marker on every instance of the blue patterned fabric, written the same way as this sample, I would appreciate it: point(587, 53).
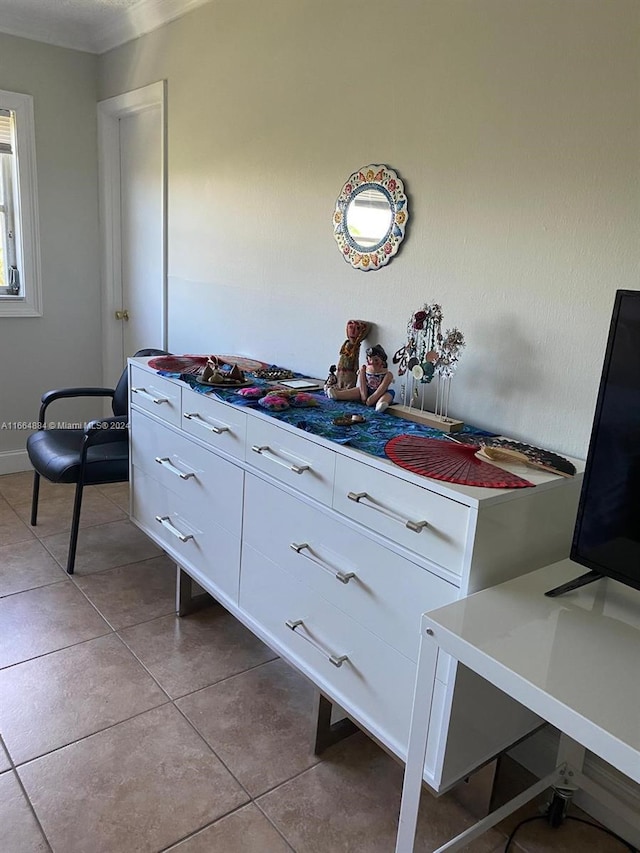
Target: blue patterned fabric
point(369, 436)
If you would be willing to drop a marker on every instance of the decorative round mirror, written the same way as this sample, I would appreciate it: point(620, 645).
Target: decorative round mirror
point(370, 217)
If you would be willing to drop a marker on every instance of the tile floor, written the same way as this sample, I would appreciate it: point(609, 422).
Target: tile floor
point(125, 729)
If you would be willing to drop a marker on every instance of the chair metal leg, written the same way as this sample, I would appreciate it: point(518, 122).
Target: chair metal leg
point(75, 525)
point(34, 498)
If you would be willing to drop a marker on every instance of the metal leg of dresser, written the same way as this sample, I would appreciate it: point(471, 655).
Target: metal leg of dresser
point(186, 602)
point(328, 733)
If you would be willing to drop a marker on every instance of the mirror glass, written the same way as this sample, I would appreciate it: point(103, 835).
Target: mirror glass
point(370, 217)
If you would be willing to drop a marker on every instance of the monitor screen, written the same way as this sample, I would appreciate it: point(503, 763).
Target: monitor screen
point(607, 533)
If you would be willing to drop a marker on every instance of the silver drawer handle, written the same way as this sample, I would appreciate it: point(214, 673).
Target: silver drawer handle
point(201, 422)
point(359, 497)
point(166, 463)
point(266, 451)
point(343, 577)
point(336, 660)
point(165, 521)
point(144, 393)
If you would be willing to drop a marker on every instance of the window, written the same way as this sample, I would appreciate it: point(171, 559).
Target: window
point(20, 291)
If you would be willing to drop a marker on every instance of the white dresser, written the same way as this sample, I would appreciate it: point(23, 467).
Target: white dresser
point(331, 556)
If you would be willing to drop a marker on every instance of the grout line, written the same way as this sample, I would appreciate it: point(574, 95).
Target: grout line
point(14, 769)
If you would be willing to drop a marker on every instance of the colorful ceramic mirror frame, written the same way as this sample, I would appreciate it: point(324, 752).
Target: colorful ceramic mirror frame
point(370, 217)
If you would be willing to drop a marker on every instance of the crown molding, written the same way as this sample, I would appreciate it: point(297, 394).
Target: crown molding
point(142, 17)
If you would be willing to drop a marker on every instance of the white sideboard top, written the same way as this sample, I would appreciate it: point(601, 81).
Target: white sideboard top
point(472, 496)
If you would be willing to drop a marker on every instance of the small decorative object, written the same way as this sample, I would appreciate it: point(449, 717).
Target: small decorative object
point(370, 218)
point(349, 420)
point(505, 450)
point(273, 374)
point(450, 461)
point(346, 375)
point(252, 393)
point(274, 402)
point(331, 379)
point(374, 380)
point(303, 400)
point(214, 374)
point(428, 353)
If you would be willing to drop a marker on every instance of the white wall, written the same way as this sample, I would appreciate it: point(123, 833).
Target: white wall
point(63, 346)
point(515, 126)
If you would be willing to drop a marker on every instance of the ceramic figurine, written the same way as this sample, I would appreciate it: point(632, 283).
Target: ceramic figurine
point(357, 331)
point(374, 380)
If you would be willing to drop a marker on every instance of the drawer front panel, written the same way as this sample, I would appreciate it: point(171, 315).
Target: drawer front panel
point(381, 590)
point(374, 682)
point(210, 486)
point(155, 394)
point(422, 521)
point(206, 551)
point(293, 460)
point(221, 426)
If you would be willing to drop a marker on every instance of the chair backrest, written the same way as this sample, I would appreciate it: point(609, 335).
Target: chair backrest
point(121, 394)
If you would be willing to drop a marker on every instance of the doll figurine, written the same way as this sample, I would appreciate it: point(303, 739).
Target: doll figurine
point(357, 331)
point(331, 379)
point(373, 382)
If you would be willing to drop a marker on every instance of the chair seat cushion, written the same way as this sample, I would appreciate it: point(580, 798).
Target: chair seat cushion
point(55, 454)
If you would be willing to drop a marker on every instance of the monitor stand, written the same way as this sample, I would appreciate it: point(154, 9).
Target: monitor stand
point(576, 583)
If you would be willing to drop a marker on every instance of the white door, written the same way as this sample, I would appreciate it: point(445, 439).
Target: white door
point(133, 209)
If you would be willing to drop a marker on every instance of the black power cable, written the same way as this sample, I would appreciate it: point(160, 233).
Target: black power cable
point(570, 817)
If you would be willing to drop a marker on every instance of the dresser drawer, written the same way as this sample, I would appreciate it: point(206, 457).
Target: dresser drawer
point(364, 675)
point(306, 466)
point(384, 592)
point(210, 486)
point(209, 553)
point(156, 394)
point(429, 524)
point(221, 426)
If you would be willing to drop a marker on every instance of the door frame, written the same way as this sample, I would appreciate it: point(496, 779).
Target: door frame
point(110, 111)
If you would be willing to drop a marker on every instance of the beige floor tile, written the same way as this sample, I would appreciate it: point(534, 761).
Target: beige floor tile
point(44, 620)
point(55, 511)
point(188, 653)
point(12, 528)
point(259, 723)
point(19, 831)
point(351, 800)
point(141, 785)
point(104, 547)
point(135, 593)
point(118, 493)
point(5, 764)
point(17, 488)
point(27, 565)
point(244, 831)
point(53, 700)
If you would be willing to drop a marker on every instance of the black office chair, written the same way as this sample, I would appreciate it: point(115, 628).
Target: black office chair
point(95, 455)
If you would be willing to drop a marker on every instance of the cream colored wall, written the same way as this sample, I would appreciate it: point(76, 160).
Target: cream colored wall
point(515, 126)
point(61, 347)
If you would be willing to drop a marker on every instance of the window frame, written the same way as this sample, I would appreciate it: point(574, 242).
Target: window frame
point(28, 303)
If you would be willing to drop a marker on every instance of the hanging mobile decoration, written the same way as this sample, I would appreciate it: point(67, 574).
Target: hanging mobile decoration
point(428, 353)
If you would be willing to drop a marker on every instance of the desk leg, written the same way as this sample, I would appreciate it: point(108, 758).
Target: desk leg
point(418, 734)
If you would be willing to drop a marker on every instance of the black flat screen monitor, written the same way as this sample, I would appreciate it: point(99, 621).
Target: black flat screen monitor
point(606, 538)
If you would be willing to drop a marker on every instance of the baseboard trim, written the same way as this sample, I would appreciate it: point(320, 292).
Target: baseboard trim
point(14, 461)
point(538, 754)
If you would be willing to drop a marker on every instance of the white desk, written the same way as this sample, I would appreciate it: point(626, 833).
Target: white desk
point(574, 660)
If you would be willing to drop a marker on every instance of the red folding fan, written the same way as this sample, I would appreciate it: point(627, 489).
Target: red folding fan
point(447, 460)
